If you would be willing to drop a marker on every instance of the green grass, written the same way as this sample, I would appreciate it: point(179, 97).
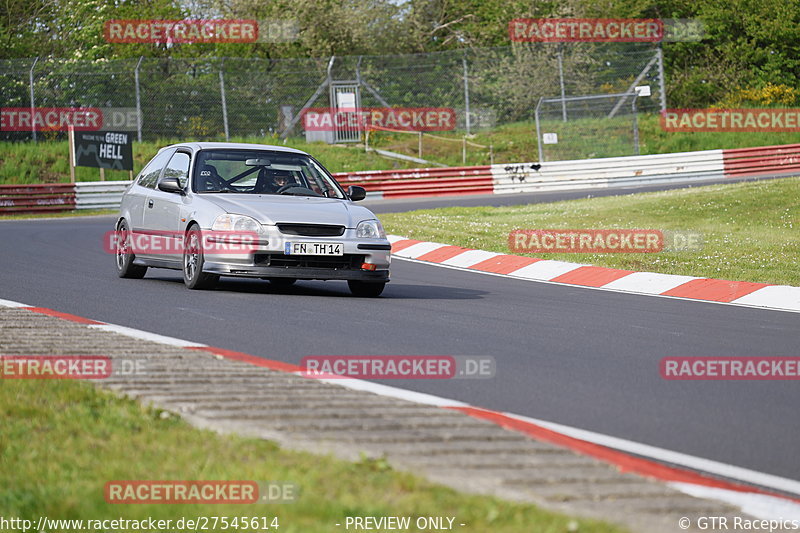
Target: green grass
point(63, 440)
point(65, 214)
point(46, 161)
point(749, 229)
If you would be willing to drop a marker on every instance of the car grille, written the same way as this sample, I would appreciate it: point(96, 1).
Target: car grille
point(333, 262)
point(312, 230)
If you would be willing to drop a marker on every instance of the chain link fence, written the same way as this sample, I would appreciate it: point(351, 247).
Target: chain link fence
point(204, 99)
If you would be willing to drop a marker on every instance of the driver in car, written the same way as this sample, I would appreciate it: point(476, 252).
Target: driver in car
point(280, 179)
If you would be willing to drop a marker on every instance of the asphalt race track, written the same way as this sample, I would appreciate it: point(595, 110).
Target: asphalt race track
point(581, 357)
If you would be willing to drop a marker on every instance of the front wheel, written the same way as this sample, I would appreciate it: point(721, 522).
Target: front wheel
point(366, 289)
point(124, 257)
point(193, 275)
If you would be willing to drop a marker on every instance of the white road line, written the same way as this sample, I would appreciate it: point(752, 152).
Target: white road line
point(661, 454)
point(9, 303)
point(545, 270)
point(394, 392)
point(783, 295)
point(761, 506)
point(416, 250)
point(469, 258)
point(144, 335)
point(648, 282)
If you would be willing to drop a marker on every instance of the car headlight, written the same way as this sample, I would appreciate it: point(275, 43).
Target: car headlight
point(228, 222)
point(370, 229)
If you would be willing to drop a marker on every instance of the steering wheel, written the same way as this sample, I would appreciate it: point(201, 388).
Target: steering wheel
point(214, 182)
point(285, 188)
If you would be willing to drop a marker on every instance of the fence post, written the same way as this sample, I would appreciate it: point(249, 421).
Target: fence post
point(538, 129)
point(635, 126)
point(663, 92)
point(561, 81)
point(224, 105)
point(138, 100)
point(419, 148)
point(464, 150)
point(33, 102)
point(466, 93)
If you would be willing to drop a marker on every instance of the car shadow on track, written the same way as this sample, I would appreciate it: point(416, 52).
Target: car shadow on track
point(394, 290)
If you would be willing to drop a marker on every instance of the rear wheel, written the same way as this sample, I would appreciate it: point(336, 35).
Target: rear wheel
point(124, 257)
point(193, 275)
point(365, 288)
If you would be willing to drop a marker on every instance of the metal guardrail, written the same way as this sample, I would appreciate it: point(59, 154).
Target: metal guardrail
point(36, 198)
point(99, 194)
point(783, 160)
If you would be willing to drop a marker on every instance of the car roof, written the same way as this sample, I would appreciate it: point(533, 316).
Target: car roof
point(195, 146)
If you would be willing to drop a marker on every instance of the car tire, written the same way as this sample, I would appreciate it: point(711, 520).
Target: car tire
point(125, 266)
point(282, 283)
point(366, 289)
point(193, 275)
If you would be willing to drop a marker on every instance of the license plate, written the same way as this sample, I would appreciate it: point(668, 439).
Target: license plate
point(313, 248)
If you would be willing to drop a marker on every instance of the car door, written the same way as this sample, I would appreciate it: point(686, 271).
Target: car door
point(134, 199)
point(164, 210)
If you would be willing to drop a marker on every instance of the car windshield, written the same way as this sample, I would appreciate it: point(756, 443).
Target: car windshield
point(262, 172)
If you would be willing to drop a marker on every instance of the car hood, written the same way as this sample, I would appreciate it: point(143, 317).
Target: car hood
point(271, 209)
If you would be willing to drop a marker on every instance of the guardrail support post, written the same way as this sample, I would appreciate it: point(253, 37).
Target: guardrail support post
point(464, 150)
point(419, 148)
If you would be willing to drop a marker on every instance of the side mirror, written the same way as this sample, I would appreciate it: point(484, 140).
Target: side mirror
point(356, 193)
point(170, 185)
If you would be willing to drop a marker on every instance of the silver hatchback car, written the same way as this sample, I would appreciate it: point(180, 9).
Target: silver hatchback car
point(251, 210)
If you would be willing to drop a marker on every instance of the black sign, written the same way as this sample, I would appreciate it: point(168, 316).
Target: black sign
point(104, 149)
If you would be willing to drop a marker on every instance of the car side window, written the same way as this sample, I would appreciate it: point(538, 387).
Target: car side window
point(178, 167)
point(149, 175)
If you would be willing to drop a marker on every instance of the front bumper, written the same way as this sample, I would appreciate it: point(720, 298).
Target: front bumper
point(268, 259)
point(255, 271)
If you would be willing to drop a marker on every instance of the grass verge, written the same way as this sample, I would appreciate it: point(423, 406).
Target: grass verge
point(63, 440)
point(748, 228)
point(65, 214)
point(46, 161)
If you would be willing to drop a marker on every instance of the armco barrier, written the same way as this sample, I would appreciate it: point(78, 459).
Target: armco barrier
point(609, 172)
point(763, 161)
point(422, 181)
point(36, 198)
point(100, 194)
